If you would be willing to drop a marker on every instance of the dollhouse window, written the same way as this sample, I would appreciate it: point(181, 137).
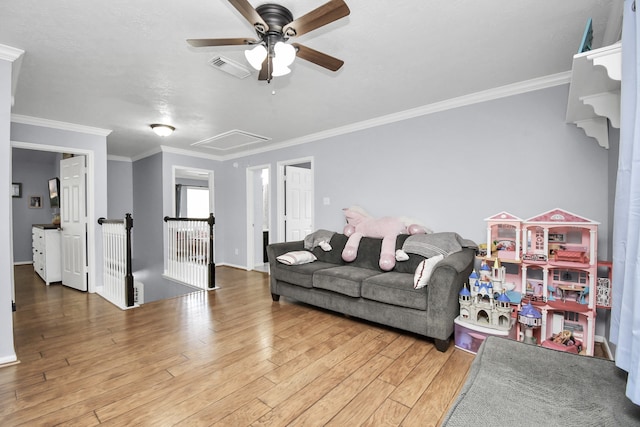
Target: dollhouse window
point(539, 239)
point(506, 231)
point(571, 316)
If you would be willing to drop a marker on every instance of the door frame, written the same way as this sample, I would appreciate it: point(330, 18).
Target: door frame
point(250, 174)
point(281, 193)
point(91, 216)
point(210, 183)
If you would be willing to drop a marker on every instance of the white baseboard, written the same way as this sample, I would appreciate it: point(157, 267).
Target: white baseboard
point(605, 345)
point(8, 360)
point(225, 264)
point(23, 263)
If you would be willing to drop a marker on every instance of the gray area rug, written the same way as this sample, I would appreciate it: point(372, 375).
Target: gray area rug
point(512, 383)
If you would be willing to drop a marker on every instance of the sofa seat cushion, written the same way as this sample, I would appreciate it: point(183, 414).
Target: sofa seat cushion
point(395, 288)
point(301, 275)
point(344, 280)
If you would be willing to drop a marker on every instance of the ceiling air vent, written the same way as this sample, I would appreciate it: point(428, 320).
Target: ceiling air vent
point(229, 67)
point(232, 139)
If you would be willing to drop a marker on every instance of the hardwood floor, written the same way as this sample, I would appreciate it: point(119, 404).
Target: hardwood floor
point(226, 357)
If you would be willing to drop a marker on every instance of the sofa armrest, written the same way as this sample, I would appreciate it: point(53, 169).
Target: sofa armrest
point(274, 250)
point(445, 284)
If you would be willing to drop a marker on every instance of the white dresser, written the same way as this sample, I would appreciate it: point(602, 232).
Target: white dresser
point(46, 244)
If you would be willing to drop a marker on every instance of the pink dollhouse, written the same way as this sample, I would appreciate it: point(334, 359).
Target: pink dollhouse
point(503, 235)
point(553, 260)
point(559, 270)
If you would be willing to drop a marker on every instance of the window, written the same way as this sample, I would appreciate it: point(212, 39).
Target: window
point(197, 202)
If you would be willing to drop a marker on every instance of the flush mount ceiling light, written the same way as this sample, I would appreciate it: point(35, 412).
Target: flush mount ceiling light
point(162, 130)
point(274, 25)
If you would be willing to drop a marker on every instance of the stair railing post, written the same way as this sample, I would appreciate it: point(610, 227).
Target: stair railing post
point(211, 279)
point(129, 277)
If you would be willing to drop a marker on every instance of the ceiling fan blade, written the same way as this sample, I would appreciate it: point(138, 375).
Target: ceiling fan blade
point(250, 14)
point(220, 42)
point(319, 58)
point(267, 69)
point(323, 15)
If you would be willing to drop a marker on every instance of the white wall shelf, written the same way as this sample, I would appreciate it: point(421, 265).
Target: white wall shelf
point(594, 94)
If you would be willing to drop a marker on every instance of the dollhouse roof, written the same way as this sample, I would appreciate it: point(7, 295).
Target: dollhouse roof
point(504, 217)
point(464, 292)
point(530, 311)
point(559, 215)
point(503, 298)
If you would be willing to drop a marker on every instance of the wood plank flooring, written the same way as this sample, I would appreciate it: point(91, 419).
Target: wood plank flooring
point(227, 357)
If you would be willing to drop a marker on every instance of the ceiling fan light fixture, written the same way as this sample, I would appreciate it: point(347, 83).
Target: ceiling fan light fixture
point(285, 54)
point(256, 56)
point(162, 130)
point(280, 70)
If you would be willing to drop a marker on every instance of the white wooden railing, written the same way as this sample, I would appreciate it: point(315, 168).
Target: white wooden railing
point(190, 251)
point(116, 248)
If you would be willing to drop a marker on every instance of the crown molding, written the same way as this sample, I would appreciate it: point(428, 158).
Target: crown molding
point(36, 121)
point(113, 158)
point(449, 104)
point(149, 153)
point(9, 53)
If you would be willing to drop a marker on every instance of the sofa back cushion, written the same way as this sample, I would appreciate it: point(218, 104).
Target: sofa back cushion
point(412, 263)
point(334, 256)
point(368, 254)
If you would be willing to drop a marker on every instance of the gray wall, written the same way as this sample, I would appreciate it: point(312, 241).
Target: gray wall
point(119, 188)
point(450, 170)
point(148, 230)
point(58, 140)
point(7, 351)
point(32, 169)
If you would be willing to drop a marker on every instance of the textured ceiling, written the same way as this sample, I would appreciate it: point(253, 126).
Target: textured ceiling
point(122, 65)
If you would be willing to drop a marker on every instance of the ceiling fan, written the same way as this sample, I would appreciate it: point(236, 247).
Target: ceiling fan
point(274, 25)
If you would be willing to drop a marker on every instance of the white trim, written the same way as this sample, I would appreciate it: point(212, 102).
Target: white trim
point(36, 121)
point(8, 360)
point(22, 262)
point(449, 104)
point(9, 53)
point(149, 153)
point(210, 183)
point(239, 267)
point(280, 193)
point(113, 158)
point(250, 231)
point(605, 344)
point(91, 215)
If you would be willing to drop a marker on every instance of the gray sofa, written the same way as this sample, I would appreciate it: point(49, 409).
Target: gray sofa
point(361, 289)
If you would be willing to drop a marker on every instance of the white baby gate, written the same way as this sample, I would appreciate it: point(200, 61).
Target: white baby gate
point(190, 251)
point(117, 279)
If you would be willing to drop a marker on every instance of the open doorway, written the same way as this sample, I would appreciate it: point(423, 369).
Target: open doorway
point(89, 269)
point(258, 216)
point(296, 195)
point(193, 195)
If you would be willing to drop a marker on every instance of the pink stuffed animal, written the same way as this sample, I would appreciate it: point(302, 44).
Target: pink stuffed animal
point(360, 224)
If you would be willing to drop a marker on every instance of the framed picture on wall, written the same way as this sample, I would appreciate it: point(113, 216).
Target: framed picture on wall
point(16, 189)
point(35, 202)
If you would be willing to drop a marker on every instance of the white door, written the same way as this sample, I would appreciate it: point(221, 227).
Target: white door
point(73, 216)
point(298, 203)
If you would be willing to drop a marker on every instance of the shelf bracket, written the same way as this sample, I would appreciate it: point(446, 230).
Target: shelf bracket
point(596, 127)
point(606, 104)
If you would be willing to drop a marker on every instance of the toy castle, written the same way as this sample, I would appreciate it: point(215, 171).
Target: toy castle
point(479, 304)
